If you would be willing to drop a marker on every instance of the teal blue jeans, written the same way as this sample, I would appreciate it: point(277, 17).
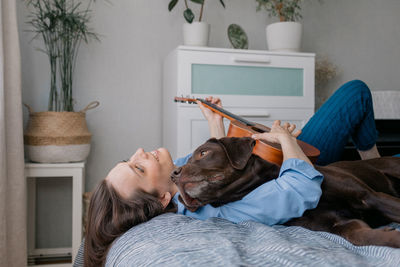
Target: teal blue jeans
point(348, 113)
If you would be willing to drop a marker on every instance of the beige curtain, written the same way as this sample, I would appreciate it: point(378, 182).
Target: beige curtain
point(12, 182)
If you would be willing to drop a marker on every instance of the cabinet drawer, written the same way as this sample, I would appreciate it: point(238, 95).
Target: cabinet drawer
point(219, 79)
point(256, 79)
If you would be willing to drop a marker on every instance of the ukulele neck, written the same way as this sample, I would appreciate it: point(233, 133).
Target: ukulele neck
point(225, 113)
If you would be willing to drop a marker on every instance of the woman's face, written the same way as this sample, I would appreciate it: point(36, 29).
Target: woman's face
point(149, 171)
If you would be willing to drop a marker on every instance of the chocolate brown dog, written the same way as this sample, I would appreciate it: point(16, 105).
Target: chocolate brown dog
point(357, 195)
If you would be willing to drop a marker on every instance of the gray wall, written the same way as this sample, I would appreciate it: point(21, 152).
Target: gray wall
point(124, 70)
point(361, 37)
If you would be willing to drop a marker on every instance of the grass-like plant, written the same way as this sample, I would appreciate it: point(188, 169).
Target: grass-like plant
point(62, 25)
point(188, 13)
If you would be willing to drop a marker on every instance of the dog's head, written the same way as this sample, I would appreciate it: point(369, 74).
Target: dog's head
point(221, 171)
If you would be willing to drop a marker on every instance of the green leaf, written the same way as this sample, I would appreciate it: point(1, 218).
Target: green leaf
point(198, 1)
point(172, 4)
point(188, 14)
point(222, 3)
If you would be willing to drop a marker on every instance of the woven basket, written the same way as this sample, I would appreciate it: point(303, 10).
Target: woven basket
point(56, 137)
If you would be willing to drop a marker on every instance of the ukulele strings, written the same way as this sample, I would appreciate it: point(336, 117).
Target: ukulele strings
point(191, 100)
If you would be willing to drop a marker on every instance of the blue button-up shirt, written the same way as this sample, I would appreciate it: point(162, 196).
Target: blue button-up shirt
point(296, 189)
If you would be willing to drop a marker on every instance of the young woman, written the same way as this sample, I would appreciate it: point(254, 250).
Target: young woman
point(140, 188)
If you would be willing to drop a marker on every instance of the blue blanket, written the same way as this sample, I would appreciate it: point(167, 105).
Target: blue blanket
point(177, 240)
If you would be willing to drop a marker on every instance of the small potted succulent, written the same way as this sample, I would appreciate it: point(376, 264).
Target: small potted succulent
point(59, 134)
point(284, 35)
point(195, 33)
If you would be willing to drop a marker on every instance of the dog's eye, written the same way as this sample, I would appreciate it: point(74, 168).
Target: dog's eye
point(203, 153)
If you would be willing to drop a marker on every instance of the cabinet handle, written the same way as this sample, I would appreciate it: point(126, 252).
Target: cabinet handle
point(249, 59)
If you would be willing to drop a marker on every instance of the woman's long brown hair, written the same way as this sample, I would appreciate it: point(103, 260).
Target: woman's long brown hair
point(110, 216)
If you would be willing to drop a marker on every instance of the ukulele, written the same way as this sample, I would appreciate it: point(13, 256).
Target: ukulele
point(240, 127)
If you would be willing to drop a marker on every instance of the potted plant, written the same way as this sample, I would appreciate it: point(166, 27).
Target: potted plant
point(194, 33)
point(286, 34)
point(59, 134)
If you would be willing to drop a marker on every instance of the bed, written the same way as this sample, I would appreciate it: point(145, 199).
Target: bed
point(176, 240)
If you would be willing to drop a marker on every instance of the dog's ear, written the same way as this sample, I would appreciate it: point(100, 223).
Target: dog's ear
point(238, 150)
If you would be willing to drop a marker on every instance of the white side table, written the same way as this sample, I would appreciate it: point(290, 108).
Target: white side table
point(56, 170)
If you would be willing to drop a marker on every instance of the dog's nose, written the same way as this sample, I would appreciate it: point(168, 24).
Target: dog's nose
point(176, 173)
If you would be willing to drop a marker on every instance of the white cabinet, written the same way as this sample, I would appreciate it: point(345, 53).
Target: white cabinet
point(260, 86)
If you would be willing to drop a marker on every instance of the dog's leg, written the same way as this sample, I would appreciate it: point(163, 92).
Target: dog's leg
point(361, 198)
point(360, 234)
point(317, 219)
point(387, 205)
point(355, 231)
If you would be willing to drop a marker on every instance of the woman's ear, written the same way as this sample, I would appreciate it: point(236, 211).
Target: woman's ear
point(165, 199)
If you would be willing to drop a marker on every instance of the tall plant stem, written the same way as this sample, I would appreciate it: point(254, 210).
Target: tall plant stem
point(52, 54)
point(201, 11)
point(53, 99)
point(186, 4)
point(278, 8)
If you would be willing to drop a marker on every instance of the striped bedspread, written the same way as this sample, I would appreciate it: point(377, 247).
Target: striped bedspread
point(177, 240)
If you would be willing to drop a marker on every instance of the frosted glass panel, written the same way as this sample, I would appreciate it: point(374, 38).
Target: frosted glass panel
point(246, 80)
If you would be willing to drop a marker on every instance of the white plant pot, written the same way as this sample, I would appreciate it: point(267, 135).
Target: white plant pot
point(196, 33)
point(284, 36)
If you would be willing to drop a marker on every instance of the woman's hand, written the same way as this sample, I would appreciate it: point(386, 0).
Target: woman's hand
point(208, 113)
point(279, 132)
point(215, 121)
point(286, 137)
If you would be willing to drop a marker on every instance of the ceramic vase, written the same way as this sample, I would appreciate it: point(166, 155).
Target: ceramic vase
point(284, 36)
point(196, 33)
